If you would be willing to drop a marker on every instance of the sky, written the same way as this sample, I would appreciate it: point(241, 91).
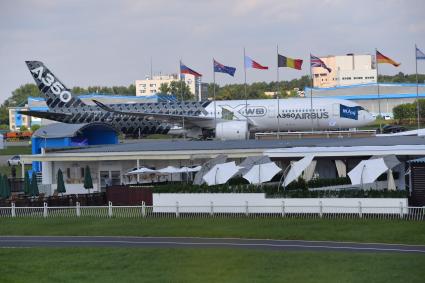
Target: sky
point(107, 42)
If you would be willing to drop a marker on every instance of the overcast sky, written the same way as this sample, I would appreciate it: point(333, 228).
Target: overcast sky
point(109, 42)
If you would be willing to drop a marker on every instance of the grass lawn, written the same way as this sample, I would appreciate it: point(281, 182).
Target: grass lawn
point(204, 265)
point(16, 150)
point(384, 231)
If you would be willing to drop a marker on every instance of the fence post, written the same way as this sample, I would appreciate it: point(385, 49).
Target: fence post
point(177, 209)
point(401, 209)
point(360, 209)
point(143, 209)
point(246, 208)
point(283, 208)
point(13, 210)
point(110, 209)
point(320, 209)
point(45, 209)
point(77, 209)
point(211, 209)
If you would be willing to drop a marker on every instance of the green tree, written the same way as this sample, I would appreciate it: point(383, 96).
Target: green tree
point(6, 187)
point(180, 90)
point(27, 184)
point(35, 127)
point(88, 182)
point(60, 183)
point(164, 88)
point(34, 185)
point(23, 128)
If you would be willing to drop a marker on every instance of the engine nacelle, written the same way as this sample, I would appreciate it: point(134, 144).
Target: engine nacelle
point(232, 130)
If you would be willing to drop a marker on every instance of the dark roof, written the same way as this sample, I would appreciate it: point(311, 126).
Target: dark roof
point(63, 130)
point(170, 145)
point(419, 160)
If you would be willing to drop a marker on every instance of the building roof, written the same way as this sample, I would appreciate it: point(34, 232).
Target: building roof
point(179, 150)
point(62, 130)
point(419, 160)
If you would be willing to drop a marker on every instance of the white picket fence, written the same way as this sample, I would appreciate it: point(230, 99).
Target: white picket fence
point(213, 211)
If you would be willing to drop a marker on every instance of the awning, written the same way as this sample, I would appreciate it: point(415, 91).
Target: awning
point(262, 173)
point(221, 173)
point(198, 180)
point(297, 169)
point(367, 171)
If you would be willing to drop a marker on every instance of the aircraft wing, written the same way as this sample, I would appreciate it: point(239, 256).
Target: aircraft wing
point(46, 115)
point(157, 116)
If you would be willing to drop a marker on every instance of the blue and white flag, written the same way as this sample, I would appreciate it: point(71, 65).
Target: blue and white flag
point(220, 68)
point(419, 54)
point(349, 112)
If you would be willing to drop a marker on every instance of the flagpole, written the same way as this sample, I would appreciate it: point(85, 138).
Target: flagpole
point(417, 90)
point(379, 95)
point(277, 91)
point(215, 107)
point(311, 97)
point(246, 97)
point(181, 94)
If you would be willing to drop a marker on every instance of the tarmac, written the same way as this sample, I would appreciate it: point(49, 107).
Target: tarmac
point(184, 242)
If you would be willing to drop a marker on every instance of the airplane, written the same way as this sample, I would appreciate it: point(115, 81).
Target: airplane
point(227, 119)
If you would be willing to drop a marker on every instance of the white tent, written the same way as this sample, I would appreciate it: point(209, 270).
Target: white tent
point(367, 171)
point(261, 173)
point(297, 169)
point(220, 173)
point(190, 169)
point(142, 170)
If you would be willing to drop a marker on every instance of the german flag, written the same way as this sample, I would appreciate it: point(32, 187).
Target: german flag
point(382, 59)
point(283, 61)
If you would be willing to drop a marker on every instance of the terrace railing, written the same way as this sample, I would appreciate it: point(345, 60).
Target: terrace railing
point(215, 211)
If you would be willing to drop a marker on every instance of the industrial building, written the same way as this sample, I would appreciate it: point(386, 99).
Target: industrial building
point(110, 163)
point(390, 95)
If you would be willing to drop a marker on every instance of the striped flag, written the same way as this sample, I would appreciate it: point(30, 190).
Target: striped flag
point(317, 62)
point(382, 59)
point(283, 61)
point(249, 63)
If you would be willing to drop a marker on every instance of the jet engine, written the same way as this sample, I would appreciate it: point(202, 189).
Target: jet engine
point(232, 130)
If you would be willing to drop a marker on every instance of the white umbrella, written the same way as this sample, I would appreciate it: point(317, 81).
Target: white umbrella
point(297, 169)
point(169, 170)
point(221, 173)
point(142, 170)
point(367, 171)
point(261, 173)
point(191, 169)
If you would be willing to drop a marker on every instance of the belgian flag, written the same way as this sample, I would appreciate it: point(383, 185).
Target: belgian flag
point(283, 61)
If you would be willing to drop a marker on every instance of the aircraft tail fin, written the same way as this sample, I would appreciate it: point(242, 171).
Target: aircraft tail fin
point(57, 94)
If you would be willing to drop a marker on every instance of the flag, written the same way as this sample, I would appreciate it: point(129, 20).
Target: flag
point(249, 63)
point(283, 61)
point(317, 62)
point(186, 70)
point(381, 59)
point(220, 68)
point(419, 54)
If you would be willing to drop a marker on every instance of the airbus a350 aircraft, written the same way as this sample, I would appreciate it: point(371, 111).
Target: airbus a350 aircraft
point(229, 119)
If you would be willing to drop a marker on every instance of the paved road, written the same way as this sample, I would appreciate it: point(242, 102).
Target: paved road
point(170, 242)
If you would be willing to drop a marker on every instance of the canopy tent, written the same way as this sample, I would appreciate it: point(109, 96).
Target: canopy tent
point(297, 169)
point(250, 161)
point(367, 171)
point(206, 167)
point(221, 173)
point(261, 173)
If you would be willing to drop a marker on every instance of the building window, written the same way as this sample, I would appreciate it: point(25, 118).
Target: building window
point(152, 85)
point(143, 91)
point(82, 172)
point(68, 173)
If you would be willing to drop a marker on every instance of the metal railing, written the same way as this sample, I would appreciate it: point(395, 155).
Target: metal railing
point(219, 211)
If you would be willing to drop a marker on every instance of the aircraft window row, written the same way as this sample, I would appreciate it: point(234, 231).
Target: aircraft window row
point(302, 110)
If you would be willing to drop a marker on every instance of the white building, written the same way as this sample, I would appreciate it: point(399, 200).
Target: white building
point(151, 86)
point(350, 69)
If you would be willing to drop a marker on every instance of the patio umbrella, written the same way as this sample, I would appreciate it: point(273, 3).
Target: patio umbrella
point(297, 169)
point(221, 173)
point(169, 170)
point(142, 170)
point(391, 182)
point(198, 180)
point(367, 171)
point(261, 173)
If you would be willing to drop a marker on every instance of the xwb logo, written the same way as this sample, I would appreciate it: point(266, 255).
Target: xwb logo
point(49, 80)
point(256, 111)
